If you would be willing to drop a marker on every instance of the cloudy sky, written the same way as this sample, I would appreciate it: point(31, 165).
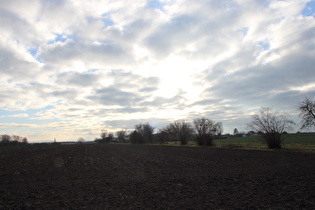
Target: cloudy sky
point(69, 68)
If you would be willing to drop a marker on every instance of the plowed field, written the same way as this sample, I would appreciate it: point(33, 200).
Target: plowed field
point(153, 177)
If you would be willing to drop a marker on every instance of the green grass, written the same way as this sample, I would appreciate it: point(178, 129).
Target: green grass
point(302, 142)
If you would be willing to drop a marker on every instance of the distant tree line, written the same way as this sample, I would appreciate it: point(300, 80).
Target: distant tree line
point(269, 125)
point(201, 130)
point(14, 139)
point(108, 137)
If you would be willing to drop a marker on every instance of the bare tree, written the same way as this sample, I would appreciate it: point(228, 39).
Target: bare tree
point(122, 135)
point(5, 139)
point(109, 138)
point(205, 130)
point(166, 134)
point(235, 132)
point(182, 131)
point(146, 131)
point(271, 125)
point(219, 129)
point(103, 134)
point(105, 137)
point(307, 112)
point(25, 140)
point(135, 137)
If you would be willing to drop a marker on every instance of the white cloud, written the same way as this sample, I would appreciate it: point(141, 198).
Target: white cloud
point(106, 64)
point(16, 115)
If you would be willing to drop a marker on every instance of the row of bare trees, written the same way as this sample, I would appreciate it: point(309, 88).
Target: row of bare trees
point(107, 137)
point(14, 139)
point(202, 130)
point(269, 124)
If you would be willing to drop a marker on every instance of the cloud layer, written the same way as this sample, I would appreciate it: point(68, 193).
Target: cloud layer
point(71, 68)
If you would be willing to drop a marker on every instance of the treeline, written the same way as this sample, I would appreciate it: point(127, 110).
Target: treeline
point(11, 140)
point(201, 130)
point(268, 124)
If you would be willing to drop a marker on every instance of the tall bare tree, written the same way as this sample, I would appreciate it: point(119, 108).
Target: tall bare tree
point(182, 130)
point(25, 140)
point(307, 112)
point(5, 139)
point(146, 131)
point(121, 135)
point(205, 130)
point(135, 137)
point(166, 134)
point(109, 137)
point(163, 135)
point(271, 125)
point(103, 134)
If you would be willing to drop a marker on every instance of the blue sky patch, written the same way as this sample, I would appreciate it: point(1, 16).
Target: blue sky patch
point(60, 38)
point(156, 5)
point(34, 54)
point(8, 116)
point(90, 71)
point(108, 22)
point(264, 44)
point(244, 31)
point(33, 51)
point(309, 9)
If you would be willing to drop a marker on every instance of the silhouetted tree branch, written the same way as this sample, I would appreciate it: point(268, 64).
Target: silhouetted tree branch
point(307, 112)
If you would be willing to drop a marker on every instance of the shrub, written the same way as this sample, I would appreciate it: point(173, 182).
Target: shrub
point(181, 130)
point(270, 126)
point(204, 140)
point(205, 129)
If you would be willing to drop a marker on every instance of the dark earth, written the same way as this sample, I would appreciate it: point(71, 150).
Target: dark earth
point(111, 176)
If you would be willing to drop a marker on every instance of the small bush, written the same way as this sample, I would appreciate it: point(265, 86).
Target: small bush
point(273, 140)
point(204, 140)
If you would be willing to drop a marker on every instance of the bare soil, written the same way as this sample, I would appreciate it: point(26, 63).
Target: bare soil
point(108, 176)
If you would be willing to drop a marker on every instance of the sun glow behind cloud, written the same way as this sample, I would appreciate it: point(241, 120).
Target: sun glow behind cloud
point(71, 68)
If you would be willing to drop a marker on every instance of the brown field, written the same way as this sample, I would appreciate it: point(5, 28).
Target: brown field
point(154, 177)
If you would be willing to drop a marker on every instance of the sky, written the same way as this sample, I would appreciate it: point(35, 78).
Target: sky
point(70, 68)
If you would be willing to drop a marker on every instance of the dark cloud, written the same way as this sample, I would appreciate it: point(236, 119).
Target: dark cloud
point(206, 102)
point(107, 53)
point(115, 96)
point(130, 123)
point(148, 89)
point(16, 68)
point(261, 83)
point(77, 79)
point(126, 79)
